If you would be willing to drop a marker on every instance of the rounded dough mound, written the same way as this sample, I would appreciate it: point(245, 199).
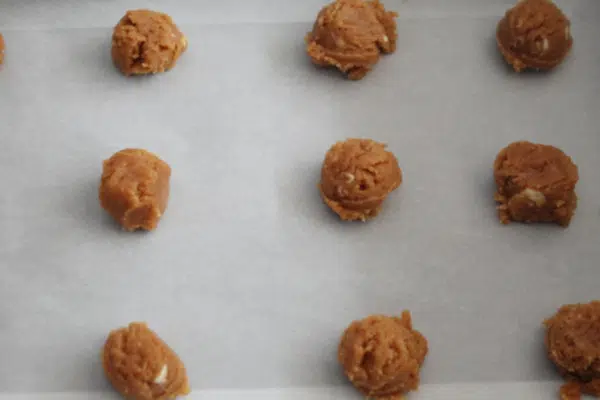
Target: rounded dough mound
point(356, 177)
point(534, 34)
point(140, 366)
point(351, 35)
point(382, 356)
point(146, 42)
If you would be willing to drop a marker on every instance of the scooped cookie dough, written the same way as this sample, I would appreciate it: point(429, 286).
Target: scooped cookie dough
point(573, 344)
point(134, 188)
point(534, 34)
point(382, 356)
point(356, 177)
point(351, 35)
point(1, 49)
point(535, 183)
point(140, 366)
point(146, 42)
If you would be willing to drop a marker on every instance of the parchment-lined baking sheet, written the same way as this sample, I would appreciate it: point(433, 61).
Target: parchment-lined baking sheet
point(249, 277)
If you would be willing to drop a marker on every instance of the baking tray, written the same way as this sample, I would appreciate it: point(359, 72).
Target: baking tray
point(249, 277)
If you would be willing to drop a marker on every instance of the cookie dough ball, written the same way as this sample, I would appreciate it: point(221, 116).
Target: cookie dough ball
point(134, 188)
point(535, 183)
point(146, 42)
point(356, 177)
point(1, 49)
point(141, 366)
point(534, 34)
point(573, 344)
point(382, 356)
point(350, 35)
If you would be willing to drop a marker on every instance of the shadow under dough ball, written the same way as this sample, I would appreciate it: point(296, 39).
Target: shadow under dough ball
point(134, 188)
point(356, 177)
point(140, 366)
point(535, 183)
point(534, 34)
point(146, 42)
point(1, 48)
point(382, 356)
point(350, 35)
point(573, 345)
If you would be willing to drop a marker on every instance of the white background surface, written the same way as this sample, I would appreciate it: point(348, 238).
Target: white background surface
point(249, 277)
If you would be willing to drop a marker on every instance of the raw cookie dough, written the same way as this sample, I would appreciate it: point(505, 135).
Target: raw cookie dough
point(350, 35)
point(140, 366)
point(534, 34)
point(535, 183)
point(382, 356)
point(146, 42)
point(1, 49)
point(356, 177)
point(573, 344)
point(134, 188)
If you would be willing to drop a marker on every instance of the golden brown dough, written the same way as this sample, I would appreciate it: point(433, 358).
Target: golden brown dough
point(535, 183)
point(356, 177)
point(573, 344)
point(134, 188)
point(534, 34)
point(140, 366)
point(351, 35)
point(146, 42)
point(1, 49)
point(382, 356)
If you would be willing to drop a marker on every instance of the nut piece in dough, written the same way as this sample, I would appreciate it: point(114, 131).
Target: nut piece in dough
point(534, 34)
point(350, 35)
point(1, 49)
point(146, 42)
point(140, 366)
point(535, 183)
point(356, 177)
point(573, 344)
point(382, 356)
point(134, 188)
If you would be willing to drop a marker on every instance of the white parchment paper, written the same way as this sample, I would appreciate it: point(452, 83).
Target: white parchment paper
point(249, 277)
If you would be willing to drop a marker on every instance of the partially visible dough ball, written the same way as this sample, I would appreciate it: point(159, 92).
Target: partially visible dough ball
point(351, 35)
point(382, 356)
point(140, 366)
point(1, 49)
point(356, 177)
point(134, 188)
point(573, 345)
point(146, 42)
point(534, 34)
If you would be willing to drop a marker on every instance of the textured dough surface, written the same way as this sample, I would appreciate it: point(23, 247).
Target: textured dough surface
point(534, 34)
point(350, 35)
point(134, 188)
point(535, 183)
point(382, 356)
point(146, 42)
point(356, 177)
point(140, 366)
point(573, 345)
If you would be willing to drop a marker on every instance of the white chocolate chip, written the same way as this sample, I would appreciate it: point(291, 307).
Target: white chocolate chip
point(546, 44)
point(537, 197)
point(542, 45)
point(385, 39)
point(161, 378)
point(349, 177)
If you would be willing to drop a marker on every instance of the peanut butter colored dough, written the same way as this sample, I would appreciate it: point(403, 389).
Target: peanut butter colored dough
point(382, 356)
point(573, 344)
point(356, 177)
point(134, 188)
point(1, 49)
point(140, 366)
point(146, 42)
point(534, 34)
point(351, 35)
point(535, 183)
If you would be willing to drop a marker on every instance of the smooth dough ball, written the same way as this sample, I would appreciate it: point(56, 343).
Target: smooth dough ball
point(140, 366)
point(573, 344)
point(351, 35)
point(1, 49)
point(382, 356)
point(356, 177)
point(146, 42)
point(534, 34)
point(134, 188)
point(535, 183)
